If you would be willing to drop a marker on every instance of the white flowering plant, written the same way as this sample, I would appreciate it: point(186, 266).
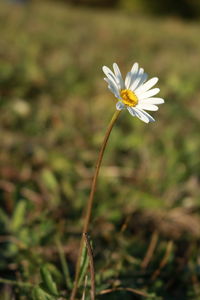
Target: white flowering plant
point(135, 93)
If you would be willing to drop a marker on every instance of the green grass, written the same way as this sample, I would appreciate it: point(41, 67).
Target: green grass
point(55, 107)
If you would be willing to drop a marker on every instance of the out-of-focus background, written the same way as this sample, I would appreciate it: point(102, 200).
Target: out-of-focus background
point(54, 109)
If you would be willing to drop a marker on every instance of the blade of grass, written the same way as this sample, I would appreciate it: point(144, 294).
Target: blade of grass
point(134, 291)
point(64, 263)
point(91, 262)
point(14, 282)
point(163, 261)
point(84, 288)
point(84, 265)
point(150, 250)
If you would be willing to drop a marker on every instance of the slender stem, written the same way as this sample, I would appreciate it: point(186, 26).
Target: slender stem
point(91, 198)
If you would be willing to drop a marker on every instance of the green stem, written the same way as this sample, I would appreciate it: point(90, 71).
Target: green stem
point(91, 200)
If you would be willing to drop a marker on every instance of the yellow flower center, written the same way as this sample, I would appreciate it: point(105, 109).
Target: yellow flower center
point(129, 98)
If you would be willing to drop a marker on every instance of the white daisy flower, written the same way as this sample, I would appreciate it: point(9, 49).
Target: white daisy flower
point(135, 93)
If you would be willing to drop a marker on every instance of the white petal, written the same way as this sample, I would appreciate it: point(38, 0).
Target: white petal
point(137, 80)
point(145, 115)
point(113, 91)
point(113, 87)
point(109, 73)
point(118, 75)
point(134, 68)
point(111, 80)
point(131, 110)
point(152, 101)
point(147, 86)
point(147, 94)
point(140, 114)
point(131, 76)
point(147, 106)
point(143, 79)
point(120, 105)
point(128, 79)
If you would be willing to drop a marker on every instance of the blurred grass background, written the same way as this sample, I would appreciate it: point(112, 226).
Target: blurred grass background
point(55, 107)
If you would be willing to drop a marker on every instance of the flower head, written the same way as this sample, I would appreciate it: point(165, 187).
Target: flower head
point(135, 93)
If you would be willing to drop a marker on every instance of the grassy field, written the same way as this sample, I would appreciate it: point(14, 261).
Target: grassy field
point(54, 109)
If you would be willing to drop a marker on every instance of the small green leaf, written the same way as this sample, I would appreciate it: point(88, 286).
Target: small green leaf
point(40, 294)
point(4, 218)
point(49, 180)
point(18, 216)
point(47, 281)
